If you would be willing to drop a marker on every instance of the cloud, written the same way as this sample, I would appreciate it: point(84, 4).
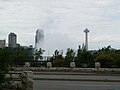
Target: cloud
point(64, 19)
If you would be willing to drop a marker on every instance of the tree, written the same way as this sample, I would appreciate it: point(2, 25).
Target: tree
point(21, 55)
point(116, 59)
point(57, 60)
point(9, 57)
point(107, 56)
point(70, 55)
point(5, 63)
point(106, 50)
point(38, 54)
point(105, 61)
point(84, 58)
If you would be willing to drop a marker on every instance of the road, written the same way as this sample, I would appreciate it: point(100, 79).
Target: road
point(73, 76)
point(75, 81)
point(75, 85)
point(76, 76)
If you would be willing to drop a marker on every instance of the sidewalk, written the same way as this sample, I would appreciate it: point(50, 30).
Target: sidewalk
point(74, 76)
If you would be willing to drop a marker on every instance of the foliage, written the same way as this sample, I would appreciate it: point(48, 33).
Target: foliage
point(84, 58)
point(5, 60)
point(38, 53)
point(21, 55)
point(108, 57)
point(105, 61)
point(57, 60)
point(70, 55)
point(38, 56)
point(116, 57)
point(9, 57)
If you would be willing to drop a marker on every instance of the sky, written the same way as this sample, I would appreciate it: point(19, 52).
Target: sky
point(63, 22)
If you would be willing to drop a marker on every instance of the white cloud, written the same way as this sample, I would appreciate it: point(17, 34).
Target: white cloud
point(65, 19)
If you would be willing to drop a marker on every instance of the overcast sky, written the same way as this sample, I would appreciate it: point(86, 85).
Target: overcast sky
point(63, 22)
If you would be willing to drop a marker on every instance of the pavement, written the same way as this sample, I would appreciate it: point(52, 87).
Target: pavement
point(73, 80)
point(76, 76)
point(74, 85)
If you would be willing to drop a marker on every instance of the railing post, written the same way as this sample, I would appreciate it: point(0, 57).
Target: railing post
point(27, 80)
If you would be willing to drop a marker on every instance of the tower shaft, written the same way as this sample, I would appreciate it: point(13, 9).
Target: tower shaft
point(86, 38)
point(86, 41)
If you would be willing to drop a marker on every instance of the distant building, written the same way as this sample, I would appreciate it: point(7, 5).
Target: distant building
point(12, 40)
point(29, 48)
point(2, 43)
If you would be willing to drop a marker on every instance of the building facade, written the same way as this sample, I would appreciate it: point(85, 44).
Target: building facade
point(12, 40)
point(2, 43)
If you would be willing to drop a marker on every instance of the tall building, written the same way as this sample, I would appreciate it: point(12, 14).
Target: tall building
point(39, 39)
point(12, 40)
point(86, 31)
point(2, 43)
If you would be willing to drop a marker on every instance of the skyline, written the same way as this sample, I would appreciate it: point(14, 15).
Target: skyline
point(63, 22)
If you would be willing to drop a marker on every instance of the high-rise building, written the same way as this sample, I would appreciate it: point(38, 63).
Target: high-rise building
point(12, 40)
point(39, 39)
point(2, 43)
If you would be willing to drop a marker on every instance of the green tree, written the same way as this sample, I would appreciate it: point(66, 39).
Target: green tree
point(107, 56)
point(5, 63)
point(9, 57)
point(106, 50)
point(21, 55)
point(105, 61)
point(116, 59)
point(70, 55)
point(84, 58)
point(57, 60)
point(38, 54)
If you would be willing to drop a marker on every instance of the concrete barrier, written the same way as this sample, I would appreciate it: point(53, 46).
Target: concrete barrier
point(72, 64)
point(27, 80)
point(102, 70)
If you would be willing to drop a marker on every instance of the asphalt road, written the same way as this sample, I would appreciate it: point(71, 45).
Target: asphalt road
point(75, 81)
point(76, 76)
point(75, 85)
